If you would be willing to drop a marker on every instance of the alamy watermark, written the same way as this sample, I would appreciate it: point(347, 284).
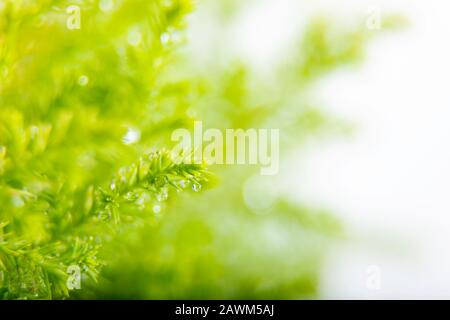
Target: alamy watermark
point(73, 21)
point(373, 280)
point(234, 146)
point(373, 20)
point(74, 277)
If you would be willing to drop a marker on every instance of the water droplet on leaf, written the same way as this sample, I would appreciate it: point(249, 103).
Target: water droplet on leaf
point(165, 37)
point(83, 80)
point(132, 136)
point(17, 201)
point(182, 183)
point(134, 37)
point(156, 208)
point(163, 195)
point(196, 187)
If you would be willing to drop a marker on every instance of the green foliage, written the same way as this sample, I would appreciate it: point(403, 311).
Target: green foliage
point(75, 189)
point(39, 241)
point(67, 99)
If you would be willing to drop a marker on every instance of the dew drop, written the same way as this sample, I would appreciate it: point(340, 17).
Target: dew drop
point(157, 208)
point(163, 195)
point(83, 80)
point(17, 201)
point(131, 196)
point(132, 136)
point(182, 183)
point(134, 37)
point(165, 38)
point(141, 203)
point(196, 187)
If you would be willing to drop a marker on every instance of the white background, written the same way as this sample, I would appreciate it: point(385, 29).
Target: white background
point(390, 183)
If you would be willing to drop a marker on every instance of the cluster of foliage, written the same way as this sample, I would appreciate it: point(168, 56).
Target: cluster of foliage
point(68, 179)
point(85, 117)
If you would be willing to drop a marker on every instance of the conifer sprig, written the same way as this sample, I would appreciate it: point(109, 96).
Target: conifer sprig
point(30, 270)
point(151, 178)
